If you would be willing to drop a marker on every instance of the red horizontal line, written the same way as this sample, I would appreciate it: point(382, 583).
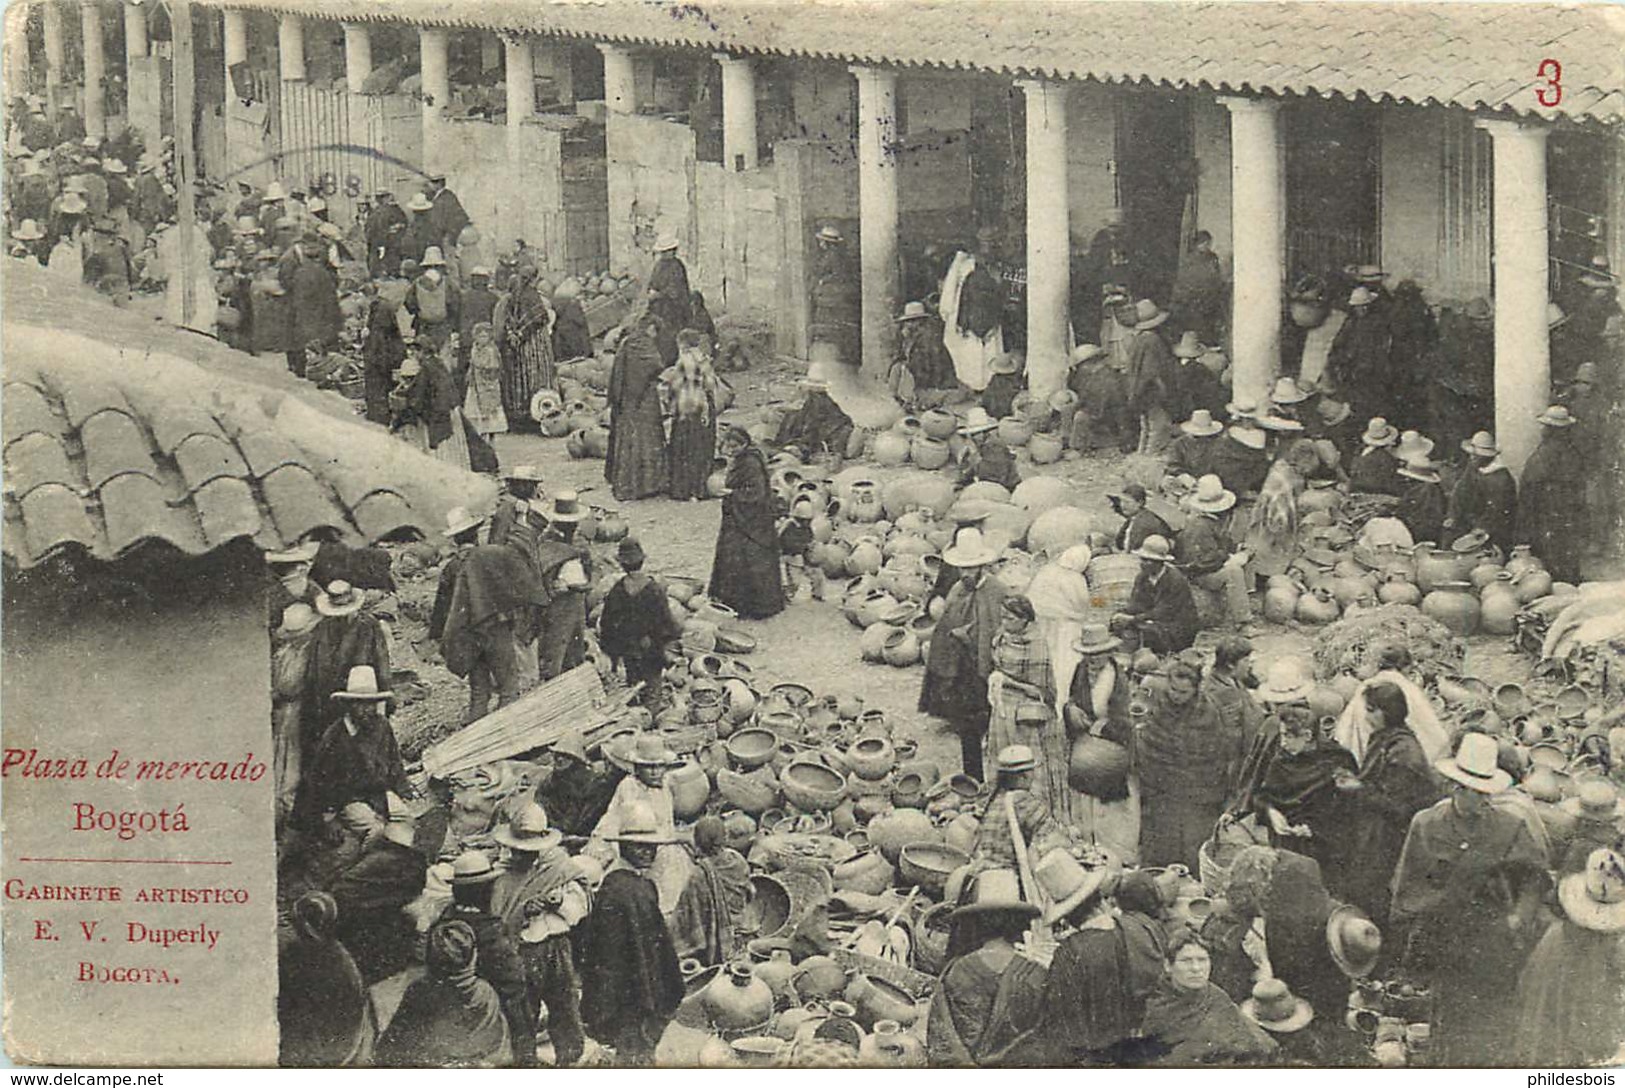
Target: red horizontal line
point(129, 861)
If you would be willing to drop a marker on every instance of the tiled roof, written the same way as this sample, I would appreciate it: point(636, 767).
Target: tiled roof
point(1474, 55)
point(108, 448)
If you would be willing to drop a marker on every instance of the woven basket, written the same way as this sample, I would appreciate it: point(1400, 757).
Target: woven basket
point(1213, 864)
point(916, 984)
point(1111, 581)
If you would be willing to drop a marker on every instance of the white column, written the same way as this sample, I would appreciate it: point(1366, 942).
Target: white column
point(290, 46)
point(234, 32)
point(1258, 203)
point(738, 112)
point(357, 56)
point(90, 19)
point(1049, 271)
point(520, 79)
point(620, 79)
point(877, 214)
point(1522, 343)
point(436, 90)
point(135, 31)
point(55, 54)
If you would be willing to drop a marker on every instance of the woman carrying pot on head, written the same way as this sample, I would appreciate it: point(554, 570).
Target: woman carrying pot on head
point(1190, 1021)
point(745, 573)
point(1106, 808)
point(1021, 695)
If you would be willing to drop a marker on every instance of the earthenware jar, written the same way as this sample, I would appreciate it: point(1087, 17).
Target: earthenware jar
point(1317, 608)
point(1438, 565)
point(869, 873)
point(1523, 558)
point(929, 453)
point(1014, 431)
point(890, 448)
point(777, 971)
point(871, 757)
point(1532, 584)
point(1045, 448)
point(878, 1000)
point(1399, 589)
point(938, 424)
point(737, 1000)
point(819, 978)
point(690, 789)
point(901, 648)
point(1452, 603)
point(1498, 604)
point(1281, 599)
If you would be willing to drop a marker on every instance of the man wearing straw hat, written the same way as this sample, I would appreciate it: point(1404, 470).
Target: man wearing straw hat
point(566, 571)
point(645, 793)
point(473, 880)
point(961, 657)
point(357, 757)
point(1206, 553)
point(1550, 514)
point(1470, 879)
point(969, 1023)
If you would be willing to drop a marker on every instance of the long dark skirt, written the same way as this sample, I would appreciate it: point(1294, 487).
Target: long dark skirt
point(527, 369)
point(746, 576)
point(636, 467)
point(693, 450)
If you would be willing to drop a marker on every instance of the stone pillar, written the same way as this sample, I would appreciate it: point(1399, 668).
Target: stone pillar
point(357, 56)
point(90, 19)
point(738, 112)
point(55, 54)
point(135, 31)
point(1258, 210)
point(1049, 268)
point(436, 90)
point(234, 28)
point(1522, 343)
point(520, 80)
point(620, 79)
point(290, 46)
point(877, 214)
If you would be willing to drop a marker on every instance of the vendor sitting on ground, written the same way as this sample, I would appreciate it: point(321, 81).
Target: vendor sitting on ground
point(1161, 613)
point(818, 426)
point(986, 457)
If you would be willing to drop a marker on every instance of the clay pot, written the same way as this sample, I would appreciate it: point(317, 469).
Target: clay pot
point(1532, 584)
point(1399, 590)
point(890, 1047)
point(717, 1053)
point(1321, 495)
point(752, 748)
point(869, 873)
point(690, 789)
point(596, 440)
point(985, 491)
point(961, 832)
point(1484, 573)
point(875, 606)
point(811, 786)
point(1318, 608)
point(748, 794)
point(1014, 432)
point(576, 445)
point(929, 453)
point(890, 448)
point(871, 757)
point(1522, 559)
point(1499, 604)
point(1098, 767)
point(901, 648)
point(819, 978)
point(909, 792)
point(756, 1051)
point(890, 831)
point(1326, 701)
point(739, 700)
point(865, 558)
point(1045, 448)
point(736, 999)
point(1452, 603)
point(872, 646)
point(554, 424)
point(1281, 600)
point(939, 424)
point(863, 499)
point(1438, 565)
point(877, 1000)
point(1348, 588)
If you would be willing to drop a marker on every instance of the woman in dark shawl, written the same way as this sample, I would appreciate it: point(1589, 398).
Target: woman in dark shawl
point(324, 1014)
point(746, 574)
point(1182, 751)
point(525, 335)
point(704, 926)
point(383, 351)
point(691, 392)
point(636, 465)
point(1190, 1021)
point(572, 338)
point(451, 1018)
point(636, 624)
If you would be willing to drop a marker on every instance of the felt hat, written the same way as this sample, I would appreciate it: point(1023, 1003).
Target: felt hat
point(1354, 940)
point(1248, 435)
point(1275, 1008)
point(1189, 347)
point(1413, 444)
point(1555, 315)
point(1096, 638)
point(361, 686)
point(340, 599)
point(1016, 757)
point(977, 421)
point(315, 204)
point(1202, 424)
point(638, 825)
point(1006, 363)
point(1482, 444)
point(1595, 899)
point(1066, 883)
point(1557, 415)
point(1211, 496)
point(969, 550)
point(1420, 469)
point(1379, 432)
point(433, 258)
point(419, 203)
point(1361, 296)
point(827, 233)
point(914, 311)
point(298, 553)
point(649, 750)
point(529, 830)
point(385, 194)
point(1331, 410)
point(1287, 391)
point(115, 166)
point(1155, 548)
point(1475, 765)
point(473, 867)
point(666, 242)
point(1287, 681)
point(28, 231)
point(479, 270)
point(1370, 273)
point(273, 193)
point(567, 507)
point(459, 520)
point(572, 744)
point(74, 204)
point(1085, 353)
point(995, 891)
point(298, 618)
point(524, 472)
point(1595, 798)
point(1148, 315)
point(1479, 309)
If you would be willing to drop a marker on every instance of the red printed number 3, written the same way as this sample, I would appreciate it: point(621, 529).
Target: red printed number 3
point(1552, 72)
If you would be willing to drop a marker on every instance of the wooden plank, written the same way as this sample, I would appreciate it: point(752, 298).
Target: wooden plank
point(574, 701)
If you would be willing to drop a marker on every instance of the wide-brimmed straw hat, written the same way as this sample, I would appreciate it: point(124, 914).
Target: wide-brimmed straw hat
point(1148, 315)
point(361, 686)
point(299, 553)
point(1595, 798)
point(969, 549)
point(1096, 638)
point(1085, 353)
point(572, 744)
point(639, 825)
point(1274, 1007)
point(532, 473)
point(1249, 435)
point(28, 231)
point(1354, 940)
point(298, 618)
point(74, 204)
point(1201, 424)
point(1211, 496)
point(1287, 681)
point(433, 258)
point(666, 242)
point(1482, 444)
point(529, 830)
point(1362, 296)
point(1558, 415)
point(914, 311)
point(1595, 899)
point(1475, 765)
point(473, 867)
point(1155, 548)
point(995, 891)
point(459, 521)
point(1066, 882)
point(977, 421)
point(1188, 347)
point(566, 506)
point(1287, 391)
point(273, 193)
point(828, 233)
point(1413, 444)
point(1006, 363)
point(419, 203)
point(1370, 273)
point(649, 750)
point(1420, 468)
point(1379, 432)
point(340, 599)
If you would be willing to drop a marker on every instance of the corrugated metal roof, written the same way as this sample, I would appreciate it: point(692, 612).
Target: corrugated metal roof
point(1411, 52)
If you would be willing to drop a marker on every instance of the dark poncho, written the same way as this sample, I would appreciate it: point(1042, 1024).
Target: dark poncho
point(745, 573)
point(636, 465)
point(629, 973)
point(1200, 1028)
point(324, 1014)
point(371, 894)
point(636, 626)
